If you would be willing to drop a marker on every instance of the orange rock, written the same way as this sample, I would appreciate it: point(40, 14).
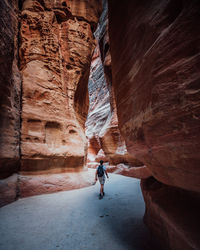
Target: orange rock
point(155, 69)
point(55, 53)
point(155, 73)
point(49, 183)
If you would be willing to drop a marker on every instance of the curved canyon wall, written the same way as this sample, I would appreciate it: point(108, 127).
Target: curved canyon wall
point(155, 68)
point(155, 78)
point(105, 140)
point(147, 94)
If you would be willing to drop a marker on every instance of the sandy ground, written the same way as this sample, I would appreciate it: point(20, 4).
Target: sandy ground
point(78, 220)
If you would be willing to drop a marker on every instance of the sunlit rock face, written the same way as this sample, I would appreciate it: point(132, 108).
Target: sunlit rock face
point(55, 54)
point(155, 68)
point(105, 140)
point(99, 114)
point(9, 101)
point(46, 50)
point(102, 125)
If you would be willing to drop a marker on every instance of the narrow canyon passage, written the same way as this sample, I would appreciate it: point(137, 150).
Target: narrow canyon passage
point(83, 81)
point(78, 220)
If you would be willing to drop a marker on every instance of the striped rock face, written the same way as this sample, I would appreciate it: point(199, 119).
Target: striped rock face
point(155, 68)
point(105, 140)
point(156, 85)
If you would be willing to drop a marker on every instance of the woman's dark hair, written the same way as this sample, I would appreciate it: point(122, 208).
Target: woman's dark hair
point(101, 162)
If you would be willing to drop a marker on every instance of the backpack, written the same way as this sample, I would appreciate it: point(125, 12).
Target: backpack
point(100, 171)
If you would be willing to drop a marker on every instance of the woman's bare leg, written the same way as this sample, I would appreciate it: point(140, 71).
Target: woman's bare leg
point(102, 189)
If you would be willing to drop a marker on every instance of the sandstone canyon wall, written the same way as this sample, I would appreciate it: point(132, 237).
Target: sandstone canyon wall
point(55, 54)
point(105, 140)
point(100, 122)
point(9, 101)
point(52, 43)
point(155, 67)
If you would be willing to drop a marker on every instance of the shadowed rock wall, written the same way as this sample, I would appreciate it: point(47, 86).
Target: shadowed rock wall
point(156, 83)
point(9, 101)
point(155, 67)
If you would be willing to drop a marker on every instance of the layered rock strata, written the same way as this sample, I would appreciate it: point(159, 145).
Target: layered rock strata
point(156, 84)
point(55, 54)
point(55, 47)
point(105, 141)
point(155, 68)
point(9, 101)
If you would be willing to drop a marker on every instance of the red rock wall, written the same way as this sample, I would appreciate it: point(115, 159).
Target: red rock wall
point(172, 214)
point(55, 54)
point(155, 64)
point(9, 101)
point(155, 68)
point(105, 140)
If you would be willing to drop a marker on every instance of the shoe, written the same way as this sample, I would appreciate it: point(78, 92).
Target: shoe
point(100, 196)
point(103, 193)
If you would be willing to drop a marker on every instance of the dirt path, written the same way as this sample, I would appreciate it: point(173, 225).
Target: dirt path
point(78, 220)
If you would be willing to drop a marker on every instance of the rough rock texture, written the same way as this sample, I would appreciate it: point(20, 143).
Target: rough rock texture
point(156, 81)
point(101, 131)
point(105, 141)
point(155, 67)
point(99, 114)
point(172, 214)
point(49, 183)
point(9, 100)
point(55, 54)
point(8, 189)
point(9, 89)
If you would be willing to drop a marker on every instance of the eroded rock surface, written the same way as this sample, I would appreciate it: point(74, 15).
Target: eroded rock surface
point(10, 89)
point(55, 54)
point(8, 189)
point(9, 100)
point(31, 184)
point(105, 140)
point(155, 68)
point(172, 214)
point(155, 61)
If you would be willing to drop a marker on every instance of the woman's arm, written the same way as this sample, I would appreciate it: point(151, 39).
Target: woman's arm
point(106, 174)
